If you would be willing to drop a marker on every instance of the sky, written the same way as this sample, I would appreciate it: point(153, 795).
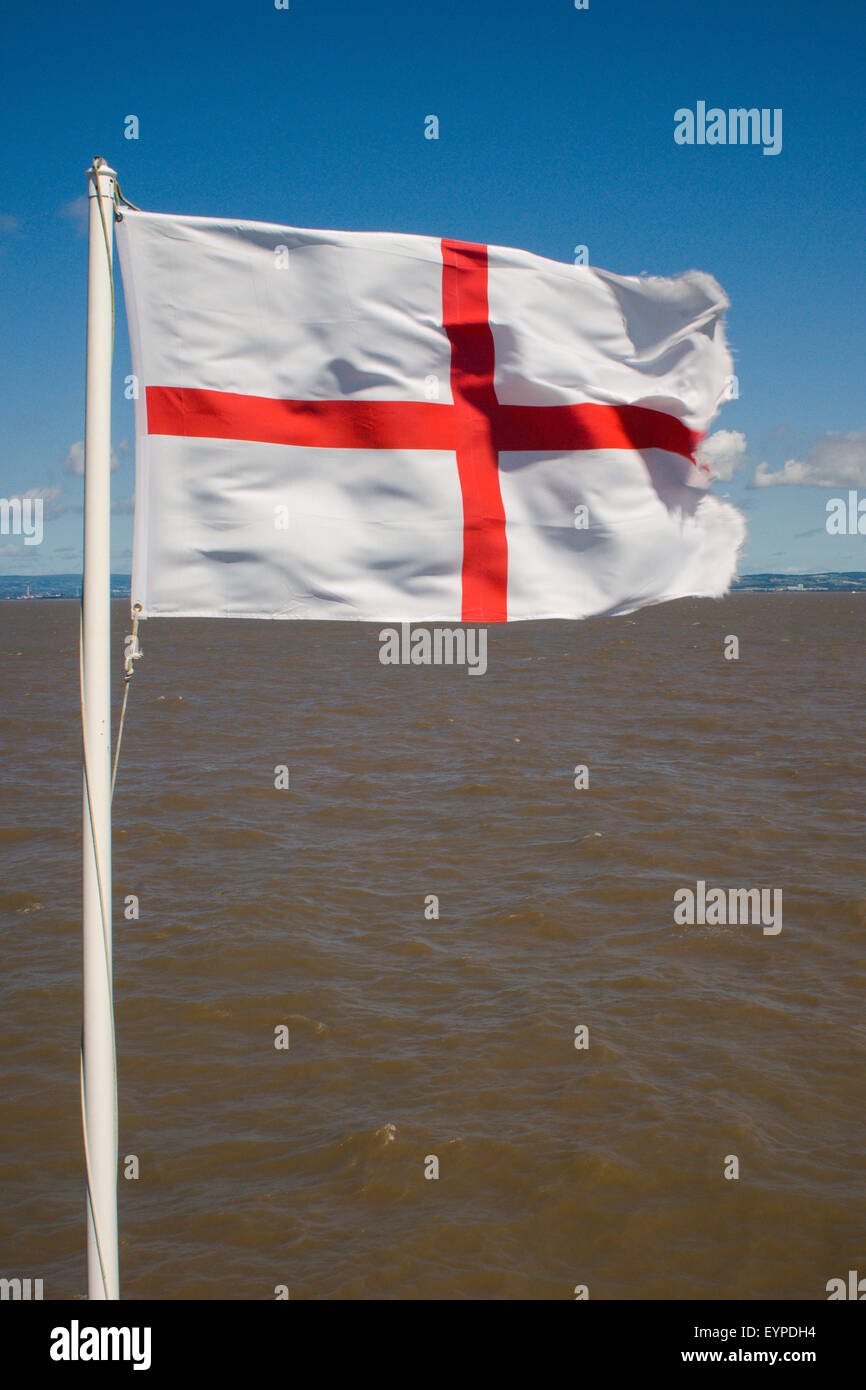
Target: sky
point(556, 130)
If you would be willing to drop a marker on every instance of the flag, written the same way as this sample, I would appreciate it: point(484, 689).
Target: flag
point(375, 427)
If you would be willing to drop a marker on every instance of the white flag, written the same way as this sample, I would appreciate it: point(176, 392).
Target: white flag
point(381, 427)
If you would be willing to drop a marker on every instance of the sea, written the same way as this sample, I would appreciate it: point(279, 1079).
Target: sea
point(406, 1006)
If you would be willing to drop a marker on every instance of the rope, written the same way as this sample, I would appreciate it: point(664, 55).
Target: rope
point(97, 164)
point(118, 199)
point(128, 673)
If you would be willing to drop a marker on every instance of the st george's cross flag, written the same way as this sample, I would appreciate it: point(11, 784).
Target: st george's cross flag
point(376, 427)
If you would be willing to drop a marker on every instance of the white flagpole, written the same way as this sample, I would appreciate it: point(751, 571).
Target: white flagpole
point(99, 1079)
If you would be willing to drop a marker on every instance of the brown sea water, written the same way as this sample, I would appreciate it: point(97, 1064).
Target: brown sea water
point(452, 1037)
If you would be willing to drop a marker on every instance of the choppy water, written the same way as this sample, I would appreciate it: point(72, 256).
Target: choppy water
point(451, 1037)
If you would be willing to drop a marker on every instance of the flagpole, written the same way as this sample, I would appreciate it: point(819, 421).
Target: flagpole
point(98, 1069)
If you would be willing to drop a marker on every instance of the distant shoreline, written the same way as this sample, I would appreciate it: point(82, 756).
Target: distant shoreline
point(842, 581)
point(54, 586)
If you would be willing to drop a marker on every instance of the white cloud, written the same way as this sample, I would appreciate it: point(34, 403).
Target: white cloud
point(78, 213)
point(75, 459)
point(723, 452)
point(18, 551)
point(834, 460)
point(46, 493)
point(51, 505)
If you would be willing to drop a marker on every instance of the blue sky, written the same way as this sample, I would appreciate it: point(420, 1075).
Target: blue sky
point(556, 130)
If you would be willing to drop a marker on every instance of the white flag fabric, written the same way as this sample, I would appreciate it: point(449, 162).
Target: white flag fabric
point(381, 427)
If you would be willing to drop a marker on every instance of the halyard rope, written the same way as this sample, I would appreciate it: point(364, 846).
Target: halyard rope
point(128, 673)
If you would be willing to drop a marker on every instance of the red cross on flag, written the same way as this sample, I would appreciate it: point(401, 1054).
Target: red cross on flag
point(401, 428)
